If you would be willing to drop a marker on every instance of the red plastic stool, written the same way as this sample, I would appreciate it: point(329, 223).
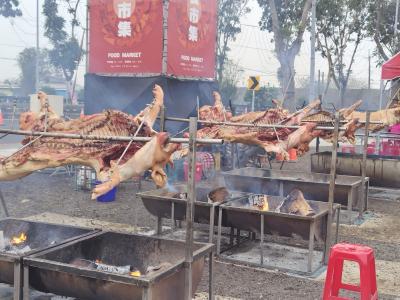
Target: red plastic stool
point(364, 256)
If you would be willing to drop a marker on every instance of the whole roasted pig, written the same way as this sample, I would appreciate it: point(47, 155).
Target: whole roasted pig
point(101, 155)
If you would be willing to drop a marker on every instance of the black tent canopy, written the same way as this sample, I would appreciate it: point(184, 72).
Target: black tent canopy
point(131, 94)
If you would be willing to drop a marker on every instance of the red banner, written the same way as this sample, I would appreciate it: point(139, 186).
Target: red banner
point(126, 36)
point(191, 38)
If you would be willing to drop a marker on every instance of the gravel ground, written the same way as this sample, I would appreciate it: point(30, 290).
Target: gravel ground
point(41, 193)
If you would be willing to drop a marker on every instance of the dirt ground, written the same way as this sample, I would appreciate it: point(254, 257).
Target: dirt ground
point(41, 193)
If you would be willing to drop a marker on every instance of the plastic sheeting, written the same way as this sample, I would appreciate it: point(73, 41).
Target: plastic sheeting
point(131, 95)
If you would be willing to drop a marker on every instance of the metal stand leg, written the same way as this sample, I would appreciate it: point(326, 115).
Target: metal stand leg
point(18, 280)
point(219, 232)
point(26, 283)
point(231, 236)
point(337, 224)
point(281, 188)
point(3, 204)
point(211, 232)
point(262, 240)
point(173, 215)
point(147, 294)
point(237, 236)
point(211, 276)
point(159, 225)
point(311, 247)
point(350, 206)
point(366, 191)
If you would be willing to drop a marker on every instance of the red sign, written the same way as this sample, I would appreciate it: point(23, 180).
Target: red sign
point(191, 38)
point(126, 36)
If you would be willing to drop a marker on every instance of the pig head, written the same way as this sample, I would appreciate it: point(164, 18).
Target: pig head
point(153, 156)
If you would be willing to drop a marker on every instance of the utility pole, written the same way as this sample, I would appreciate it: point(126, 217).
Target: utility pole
point(396, 21)
point(253, 99)
point(37, 48)
point(312, 58)
point(369, 70)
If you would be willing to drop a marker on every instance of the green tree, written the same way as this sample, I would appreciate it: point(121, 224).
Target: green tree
point(27, 64)
point(341, 27)
point(287, 20)
point(381, 20)
point(262, 98)
point(229, 14)
point(232, 74)
point(66, 52)
point(10, 8)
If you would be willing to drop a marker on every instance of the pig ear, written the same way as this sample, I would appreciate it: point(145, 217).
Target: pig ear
point(159, 177)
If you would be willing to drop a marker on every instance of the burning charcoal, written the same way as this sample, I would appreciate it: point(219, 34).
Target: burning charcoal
point(123, 270)
point(295, 203)
point(260, 202)
point(182, 196)
point(16, 250)
point(218, 195)
point(135, 273)
point(20, 239)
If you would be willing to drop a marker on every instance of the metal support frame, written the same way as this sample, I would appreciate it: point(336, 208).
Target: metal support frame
point(350, 198)
point(311, 247)
point(26, 288)
point(363, 198)
point(191, 198)
point(211, 276)
point(18, 280)
point(3, 204)
point(211, 228)
point(332, 187)
point(261, 239)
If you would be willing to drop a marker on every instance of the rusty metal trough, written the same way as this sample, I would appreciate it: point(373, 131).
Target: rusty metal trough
point(242, 215)
point(53, 271)
point(383, 171)
point(40, 236)
point(348, 189)
point(164, 203)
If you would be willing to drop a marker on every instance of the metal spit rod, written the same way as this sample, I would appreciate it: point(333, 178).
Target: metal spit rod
point(363, 201)
point(260, 125)
point(105, 138)
point(332, 187)
point(191, 189)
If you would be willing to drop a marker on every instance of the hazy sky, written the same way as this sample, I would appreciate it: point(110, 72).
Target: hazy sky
point(252, 51)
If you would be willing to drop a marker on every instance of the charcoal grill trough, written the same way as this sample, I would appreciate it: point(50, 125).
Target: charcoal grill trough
point(39, 236)
point(349, 191)
point(171, 203)
point(56, 271)
point(383, 171)
point(242, 215)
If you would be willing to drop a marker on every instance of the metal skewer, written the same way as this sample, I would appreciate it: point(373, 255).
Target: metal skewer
point(104, 138)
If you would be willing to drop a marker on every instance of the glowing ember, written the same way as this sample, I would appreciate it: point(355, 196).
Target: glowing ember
point(260, 202)
point(135, 273)
point(264, 204)
point(16, 240)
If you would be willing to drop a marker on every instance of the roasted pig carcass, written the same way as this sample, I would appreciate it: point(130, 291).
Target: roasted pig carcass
point(101, 155)
point(271, 139)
